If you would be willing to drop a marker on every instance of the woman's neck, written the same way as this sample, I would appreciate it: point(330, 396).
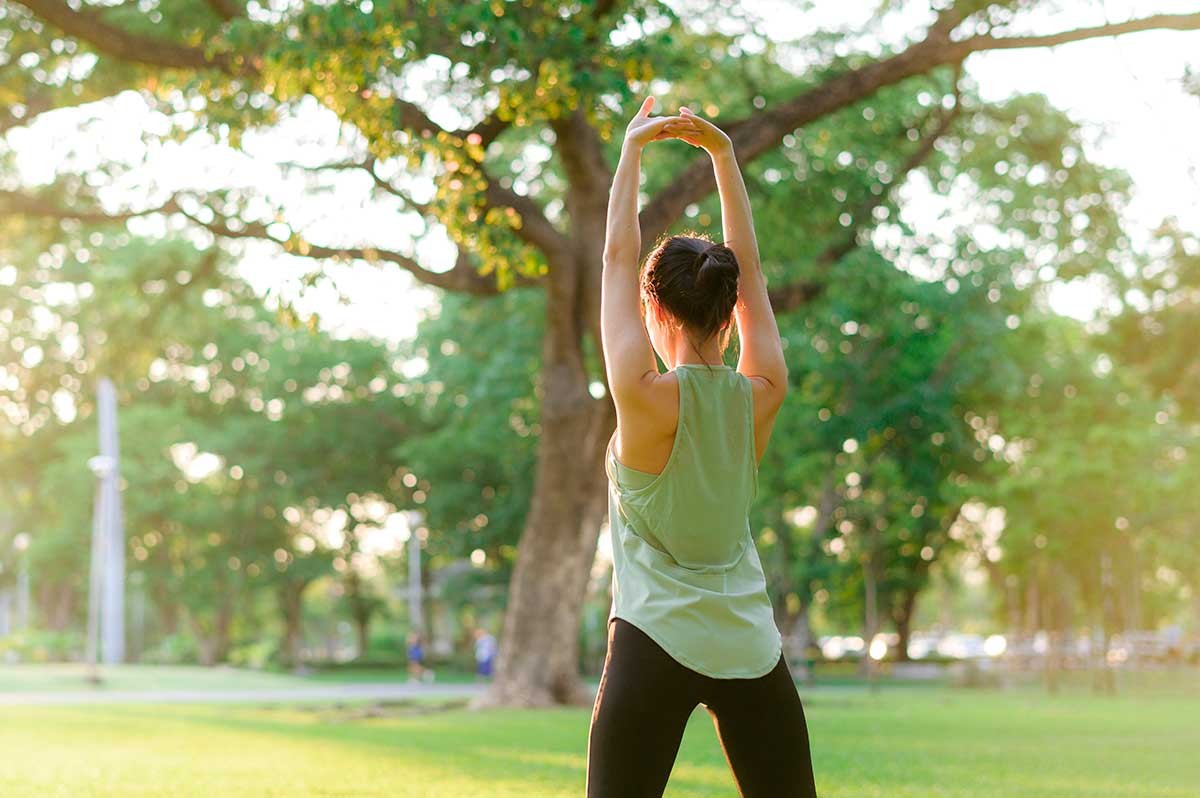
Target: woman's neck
point(709, 354)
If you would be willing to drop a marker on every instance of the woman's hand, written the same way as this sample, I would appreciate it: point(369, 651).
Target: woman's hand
point(699, 132)
point(643, 129)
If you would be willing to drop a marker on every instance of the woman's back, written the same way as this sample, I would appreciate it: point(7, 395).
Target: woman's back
point(685, 569)
point(696, 507)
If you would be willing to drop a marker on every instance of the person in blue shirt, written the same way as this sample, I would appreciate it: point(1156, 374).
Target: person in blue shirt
point(485, 653)
point(416, 657)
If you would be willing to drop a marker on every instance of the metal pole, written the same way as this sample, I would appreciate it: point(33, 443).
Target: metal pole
point(5, 612)
point(415, 616)
point(113, 589)
point(96, 576)
point(23, 592)
point(6, 622)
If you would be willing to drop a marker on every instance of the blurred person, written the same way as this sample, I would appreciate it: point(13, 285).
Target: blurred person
point(485, 653)
point(1173, 642)
point(416, 657)
point(691, 621)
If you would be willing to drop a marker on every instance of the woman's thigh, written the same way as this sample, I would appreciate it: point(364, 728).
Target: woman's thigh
point(762, 729)
point(641, 710)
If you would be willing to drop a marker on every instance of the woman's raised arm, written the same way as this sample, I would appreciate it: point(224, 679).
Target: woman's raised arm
point(628, 355)
point(761, 348)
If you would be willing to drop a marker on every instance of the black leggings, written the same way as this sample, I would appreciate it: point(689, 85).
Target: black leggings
point(643, 705)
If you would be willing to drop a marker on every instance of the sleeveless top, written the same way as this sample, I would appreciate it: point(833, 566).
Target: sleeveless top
point(685, 568)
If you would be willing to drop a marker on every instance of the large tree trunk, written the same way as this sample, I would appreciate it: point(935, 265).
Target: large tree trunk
point(291, 604)
point(362, 631)
point(168, 613)
point(802, 636)
point(57, 603)
point(783, 582)
point(1055, 623)
point(362, 608)
point(800, 627)
point(903, 619)
point(213, 638)
point(538, 661)
point(866, 665)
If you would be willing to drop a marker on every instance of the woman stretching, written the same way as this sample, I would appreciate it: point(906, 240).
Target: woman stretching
point(691, 622)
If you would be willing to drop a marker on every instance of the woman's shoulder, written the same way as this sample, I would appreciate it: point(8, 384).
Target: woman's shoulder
point(646, 424)
point(652, 406)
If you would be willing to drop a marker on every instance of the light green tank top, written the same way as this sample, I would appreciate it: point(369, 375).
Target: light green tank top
point(685, 568)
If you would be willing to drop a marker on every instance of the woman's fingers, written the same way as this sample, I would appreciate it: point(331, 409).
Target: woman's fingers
point(677, 129)
point(671, 122)
point(686, 113)
point(647, 128)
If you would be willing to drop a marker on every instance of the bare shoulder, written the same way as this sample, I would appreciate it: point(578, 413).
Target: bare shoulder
point(768, 399)
point(651, 402)
point(647, 415)
point(768, 396)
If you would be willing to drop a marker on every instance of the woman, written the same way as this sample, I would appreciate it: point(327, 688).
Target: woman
point(691, 622)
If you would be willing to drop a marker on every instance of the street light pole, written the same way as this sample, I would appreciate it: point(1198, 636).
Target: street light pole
point(416, 617)
point(21, 544)
point(112, 641)
point(99, 466)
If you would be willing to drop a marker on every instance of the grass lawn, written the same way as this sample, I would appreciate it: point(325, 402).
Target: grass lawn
point(900, 743)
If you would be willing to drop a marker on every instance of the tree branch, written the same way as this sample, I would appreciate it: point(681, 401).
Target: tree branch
point(13, 202)
point(413, 117)
point(758, 134)
point(227, 9)
point(32, 108)
point(40, 103)
point(461, 277)
point(535, 228)
point(952, 16)
point(793, 295)
point(582, 152)
point(838, 250)
point(487, 130)
point(88, 26)
point(366, 165)
point(1178, 22)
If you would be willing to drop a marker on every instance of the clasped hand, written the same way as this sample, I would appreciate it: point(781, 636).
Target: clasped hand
point(695, 130)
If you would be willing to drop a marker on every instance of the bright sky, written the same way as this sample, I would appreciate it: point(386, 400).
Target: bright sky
point(1126, 91)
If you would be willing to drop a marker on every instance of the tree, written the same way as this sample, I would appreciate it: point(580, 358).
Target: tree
point(295, 428)
point(1090, 488)
point(535, 78)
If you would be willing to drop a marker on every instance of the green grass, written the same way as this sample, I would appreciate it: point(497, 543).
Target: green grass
point(900, 743)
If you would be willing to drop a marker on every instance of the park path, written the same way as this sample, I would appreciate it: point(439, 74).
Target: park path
point(254, 695)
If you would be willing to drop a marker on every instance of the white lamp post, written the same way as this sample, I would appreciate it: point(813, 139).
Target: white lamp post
point(112, 630)
point(21, 544)
point(416, 615)
point(102, 467)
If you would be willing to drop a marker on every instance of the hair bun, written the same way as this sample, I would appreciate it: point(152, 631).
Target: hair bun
point(695, 281)
point(717, 271)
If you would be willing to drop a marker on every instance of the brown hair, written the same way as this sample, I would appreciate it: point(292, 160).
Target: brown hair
point(695, 281)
